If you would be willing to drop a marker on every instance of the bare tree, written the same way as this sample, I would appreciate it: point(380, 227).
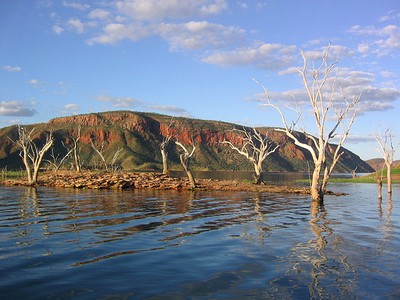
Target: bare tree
point(387, 150)
point(75, 149)
point(55, 161)
point(99, 150)
point(324, 106)
point(114, 167)
point(31, 154)
point(256, 148)
point(164, 144)
point(185, 162)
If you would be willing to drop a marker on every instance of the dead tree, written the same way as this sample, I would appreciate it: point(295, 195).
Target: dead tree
point(75, 150)
point(99, 150)
point(31, 154)
point(55, 161)
point(185, 162)
point(256, 148)
point(164, 144)
point(114, 167)
point(387, 150)
point(324, 106)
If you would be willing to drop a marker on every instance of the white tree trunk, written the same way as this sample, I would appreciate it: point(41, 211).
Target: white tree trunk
point(164, 156)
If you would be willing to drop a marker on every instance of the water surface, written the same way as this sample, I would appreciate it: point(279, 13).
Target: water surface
point(79, 244)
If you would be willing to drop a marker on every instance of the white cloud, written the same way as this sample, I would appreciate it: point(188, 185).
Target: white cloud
point(392, 15)
point(99, 13)
point(169, 109)
point(12, 68)
point(34, 82)
point(336, 52)
point(115, 32)
point(242, 4)
point(57, 29)
point(388, 74)
point(262, 55)
point(79, 26)
point(385, 39)
point(346, 83)
point(120, 102)
point(72, 108)
point(197, 35)
point(16, 108)
point(151, 10)
point(76, 5)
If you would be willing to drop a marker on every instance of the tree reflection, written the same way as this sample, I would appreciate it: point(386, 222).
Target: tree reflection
point(320, 230)
point(320, 264)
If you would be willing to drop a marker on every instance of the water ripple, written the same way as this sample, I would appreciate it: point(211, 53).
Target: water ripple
point(95, 244)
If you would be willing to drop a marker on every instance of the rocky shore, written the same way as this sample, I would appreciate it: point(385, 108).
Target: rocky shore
point(155, 181)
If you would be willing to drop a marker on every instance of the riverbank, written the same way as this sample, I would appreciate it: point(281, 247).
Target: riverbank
point(155, 181)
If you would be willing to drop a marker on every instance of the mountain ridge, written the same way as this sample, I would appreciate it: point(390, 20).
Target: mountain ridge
point(140, 134)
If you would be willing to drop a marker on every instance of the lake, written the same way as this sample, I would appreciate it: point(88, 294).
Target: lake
point(88, 244)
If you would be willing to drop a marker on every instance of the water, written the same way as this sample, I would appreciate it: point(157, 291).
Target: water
point(78, 244)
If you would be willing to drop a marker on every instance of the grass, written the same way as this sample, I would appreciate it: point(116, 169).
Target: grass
point(371, 178)
point(11, 174)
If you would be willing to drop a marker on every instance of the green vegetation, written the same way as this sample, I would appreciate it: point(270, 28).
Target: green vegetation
point(372, 178)
point(11, 174)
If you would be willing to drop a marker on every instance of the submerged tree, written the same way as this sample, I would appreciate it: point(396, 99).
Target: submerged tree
point(256, 148)
point(185, 161)
point(387, 150)
point(31, 154)
point(326, 110)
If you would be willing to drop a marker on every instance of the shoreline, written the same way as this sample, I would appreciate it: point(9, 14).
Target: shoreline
point(151, 180)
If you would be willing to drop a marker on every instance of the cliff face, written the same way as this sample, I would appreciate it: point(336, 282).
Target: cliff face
point(139, 135)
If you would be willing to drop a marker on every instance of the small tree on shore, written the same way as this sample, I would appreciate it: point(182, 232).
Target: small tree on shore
point(185, 161)
point(32, 155)
point(324, 106)
point(256, 148)
point(387, 149)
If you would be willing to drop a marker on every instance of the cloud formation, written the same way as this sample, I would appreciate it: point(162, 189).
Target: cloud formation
point(343, 84)
point(380, 41)
point(196, 35)
point(12, 68)
point(169, 109)
point(72, 108)
point(16, 108)
point(262, 55)
point(120, 102)
point(154, 10)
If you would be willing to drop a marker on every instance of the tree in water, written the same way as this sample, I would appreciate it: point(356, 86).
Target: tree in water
point(185, 162)
point(330, 113)
point(256, 148)
point(387, 149)
point(32, 155)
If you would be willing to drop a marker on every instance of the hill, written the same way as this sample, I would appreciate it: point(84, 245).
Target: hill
point(139, 136)
point(379, 163)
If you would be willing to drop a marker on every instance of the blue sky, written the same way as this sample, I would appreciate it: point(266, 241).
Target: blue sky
point(196, 58)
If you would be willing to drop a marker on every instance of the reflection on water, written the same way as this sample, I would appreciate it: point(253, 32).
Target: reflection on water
point(57, 243)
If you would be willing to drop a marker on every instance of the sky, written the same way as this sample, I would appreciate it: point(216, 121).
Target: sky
point(200, 59)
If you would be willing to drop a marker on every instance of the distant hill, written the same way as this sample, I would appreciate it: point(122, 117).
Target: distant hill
point(379, 163)
point(140, 135)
